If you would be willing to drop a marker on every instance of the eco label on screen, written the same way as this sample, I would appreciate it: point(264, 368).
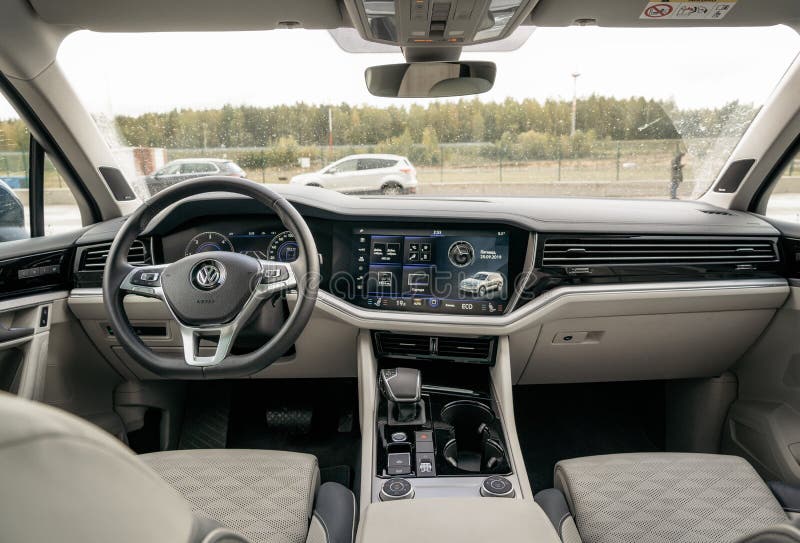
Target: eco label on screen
point(687, 9)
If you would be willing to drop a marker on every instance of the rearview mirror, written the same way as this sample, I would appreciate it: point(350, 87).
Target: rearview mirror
point(430, 79)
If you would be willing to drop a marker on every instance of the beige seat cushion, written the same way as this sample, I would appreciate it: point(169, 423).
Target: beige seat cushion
point(267, 496)
point(666, 498)
point(63, 479)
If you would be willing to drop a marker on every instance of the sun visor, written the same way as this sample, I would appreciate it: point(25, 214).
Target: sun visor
point(195, 15)
point(665, 13)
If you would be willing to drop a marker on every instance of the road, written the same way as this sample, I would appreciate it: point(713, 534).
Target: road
point(64, 218)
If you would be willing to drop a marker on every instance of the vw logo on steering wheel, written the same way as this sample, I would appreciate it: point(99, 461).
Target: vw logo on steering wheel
point(208, 274)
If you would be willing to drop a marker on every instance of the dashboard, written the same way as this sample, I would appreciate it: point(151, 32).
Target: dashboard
point(577, 279)
point(449, 268)
point(469, 257)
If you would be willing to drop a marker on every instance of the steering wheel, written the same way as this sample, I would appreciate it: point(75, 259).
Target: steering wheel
point(211, 295)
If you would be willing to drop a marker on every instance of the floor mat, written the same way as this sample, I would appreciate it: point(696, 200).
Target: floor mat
point(309, 416)
point(556, 422)
point(205, 420)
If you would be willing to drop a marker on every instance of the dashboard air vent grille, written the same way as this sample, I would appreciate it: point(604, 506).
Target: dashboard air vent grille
point(479, 348)
point(94, 258)
point(656, 250)
point(401, 344)
point(464, 349)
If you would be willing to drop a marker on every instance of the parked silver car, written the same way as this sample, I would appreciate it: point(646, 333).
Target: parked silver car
point(386, 174)
point(189, 168)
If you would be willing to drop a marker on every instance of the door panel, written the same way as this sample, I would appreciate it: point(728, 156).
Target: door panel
point(33, 277)
point(763, 425)
point(44, 353)
point(23, 356)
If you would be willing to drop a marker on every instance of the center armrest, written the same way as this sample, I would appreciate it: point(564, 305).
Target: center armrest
point(462, 520)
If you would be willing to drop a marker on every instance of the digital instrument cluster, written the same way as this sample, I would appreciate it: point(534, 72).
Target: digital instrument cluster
point(435, 271)
point(267, 245)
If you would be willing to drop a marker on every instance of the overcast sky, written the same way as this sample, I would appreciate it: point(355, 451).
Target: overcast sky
point(136, 73)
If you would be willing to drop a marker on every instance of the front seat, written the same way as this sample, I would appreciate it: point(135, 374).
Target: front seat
point(66, 480)
point(663, 498)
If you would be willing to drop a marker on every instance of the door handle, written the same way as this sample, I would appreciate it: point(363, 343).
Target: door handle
point(10, 334)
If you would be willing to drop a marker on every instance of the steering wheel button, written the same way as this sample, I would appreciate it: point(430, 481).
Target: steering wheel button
point(144, 290)
point(274, 275)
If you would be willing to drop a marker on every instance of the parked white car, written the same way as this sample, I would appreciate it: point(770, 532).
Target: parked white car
point(387, 174)
point(481, 283)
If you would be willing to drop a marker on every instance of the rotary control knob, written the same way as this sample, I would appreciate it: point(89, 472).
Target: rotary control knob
point(497, 487)
point(396, 489)
point(461, 253)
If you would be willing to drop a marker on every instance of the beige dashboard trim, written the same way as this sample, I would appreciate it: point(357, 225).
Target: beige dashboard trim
point(596, 300)
point(31, 300)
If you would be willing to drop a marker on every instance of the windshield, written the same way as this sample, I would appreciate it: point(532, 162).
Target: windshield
point(576, 111)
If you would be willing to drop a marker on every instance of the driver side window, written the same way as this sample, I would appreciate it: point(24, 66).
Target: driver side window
point(58, 211)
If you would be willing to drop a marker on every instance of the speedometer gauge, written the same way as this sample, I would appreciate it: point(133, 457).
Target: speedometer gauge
point(208, 241)
point(283, 247)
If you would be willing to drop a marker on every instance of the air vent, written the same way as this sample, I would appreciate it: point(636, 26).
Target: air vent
point(462, 349)
point(94, 258)
point(471, 348)
point(404, 345)
point(610, 251)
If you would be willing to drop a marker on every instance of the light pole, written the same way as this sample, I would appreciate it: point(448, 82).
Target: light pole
point(575, 76)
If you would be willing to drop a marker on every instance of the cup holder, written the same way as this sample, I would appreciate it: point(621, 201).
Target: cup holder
point(473, 447)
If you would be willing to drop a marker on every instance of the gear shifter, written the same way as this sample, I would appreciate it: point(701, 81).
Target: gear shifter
point(401, 387)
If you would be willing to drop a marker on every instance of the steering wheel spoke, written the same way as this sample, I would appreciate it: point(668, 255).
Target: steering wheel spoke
point(275, 277)
point(191, 337)
point(144, 281)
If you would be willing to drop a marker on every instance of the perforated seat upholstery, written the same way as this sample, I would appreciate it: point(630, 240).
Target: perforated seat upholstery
point(67, 480)
point(661, 498)
point(267, 496)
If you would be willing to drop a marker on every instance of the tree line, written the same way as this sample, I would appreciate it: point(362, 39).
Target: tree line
point(451, 122)
point(508, 124)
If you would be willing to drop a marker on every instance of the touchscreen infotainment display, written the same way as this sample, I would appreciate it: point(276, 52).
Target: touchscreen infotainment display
point(439, 271)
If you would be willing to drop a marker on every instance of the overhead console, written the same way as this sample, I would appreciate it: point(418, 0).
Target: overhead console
point(452, 23)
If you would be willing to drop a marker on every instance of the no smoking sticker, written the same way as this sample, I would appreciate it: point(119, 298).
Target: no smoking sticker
point(687, 9)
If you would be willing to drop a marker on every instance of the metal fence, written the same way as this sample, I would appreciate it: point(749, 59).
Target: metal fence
point(14, 171)
point(519, 162)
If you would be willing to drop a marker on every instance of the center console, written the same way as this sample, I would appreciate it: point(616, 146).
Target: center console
point(441, 460)
point(438, 428)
